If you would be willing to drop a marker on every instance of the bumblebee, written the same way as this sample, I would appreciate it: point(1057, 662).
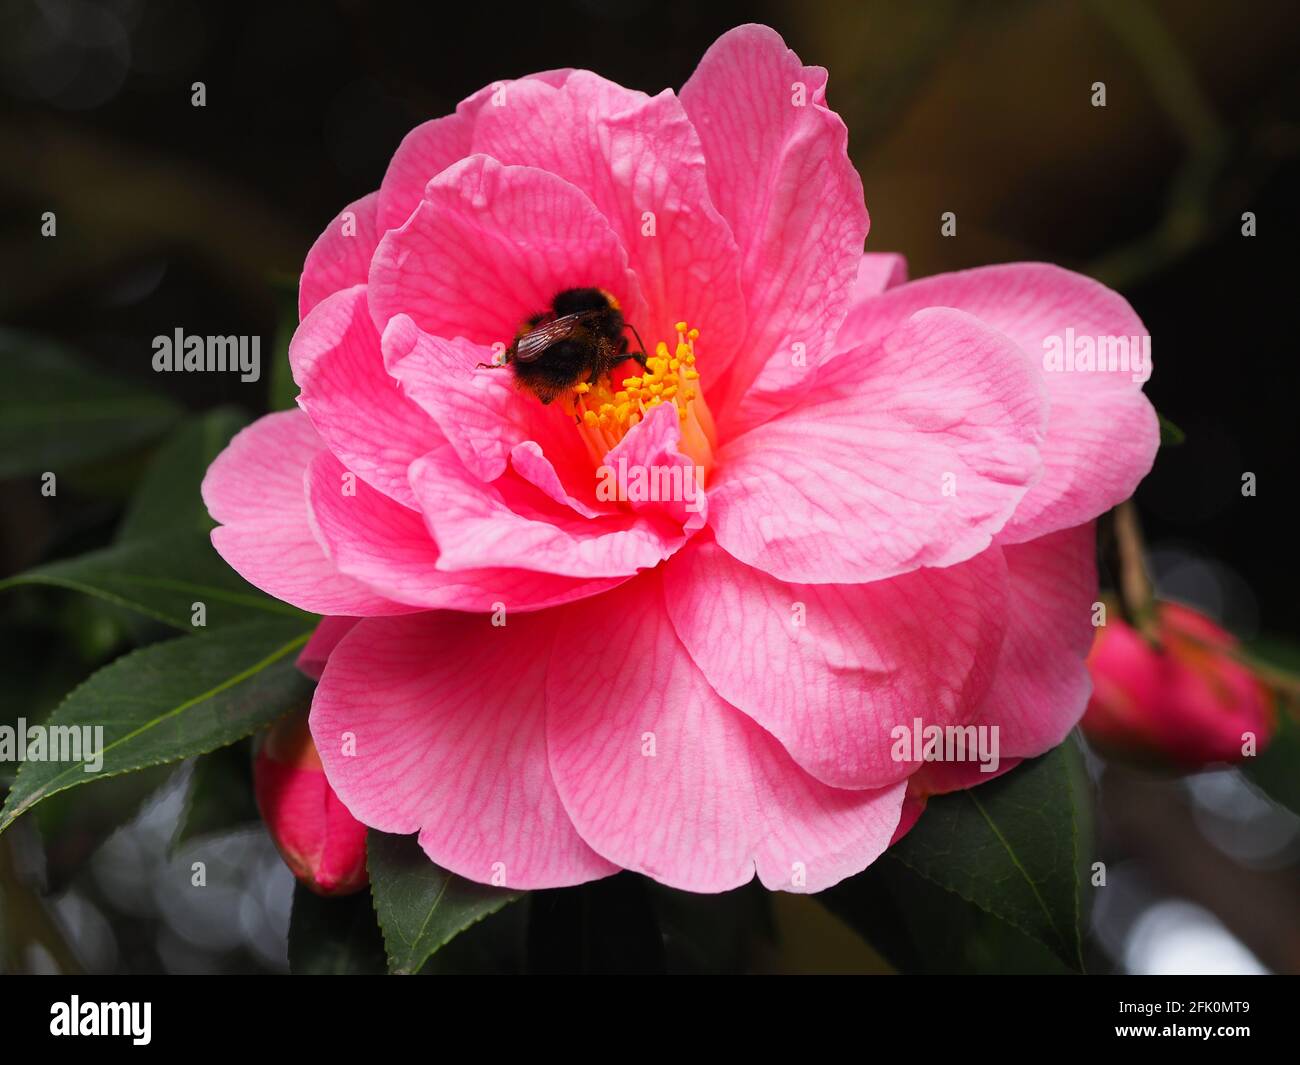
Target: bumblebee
point(579, 338)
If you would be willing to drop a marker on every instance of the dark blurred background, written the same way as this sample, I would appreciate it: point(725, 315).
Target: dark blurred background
point(175, 216)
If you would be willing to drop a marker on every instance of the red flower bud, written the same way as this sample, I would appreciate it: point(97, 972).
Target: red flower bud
point(318, 839)
point(1185, 701)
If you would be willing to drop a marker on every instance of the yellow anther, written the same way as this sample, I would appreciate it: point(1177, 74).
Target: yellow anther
point(607, 409)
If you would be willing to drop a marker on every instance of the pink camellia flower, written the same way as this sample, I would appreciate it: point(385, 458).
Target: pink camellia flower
point(549, 684)
point(1186, 702)
point(320, 841)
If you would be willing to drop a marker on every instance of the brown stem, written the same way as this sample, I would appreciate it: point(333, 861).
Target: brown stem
point(1135, 590)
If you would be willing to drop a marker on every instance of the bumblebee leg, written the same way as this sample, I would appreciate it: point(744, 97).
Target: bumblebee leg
point(491, 366)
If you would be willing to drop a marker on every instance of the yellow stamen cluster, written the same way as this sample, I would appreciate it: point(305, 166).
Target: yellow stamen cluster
point(605, 413)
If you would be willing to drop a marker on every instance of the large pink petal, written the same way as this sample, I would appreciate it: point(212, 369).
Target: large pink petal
point(389, 548)
point(340, 258)
point(491, 245)
point(434, 145)
point(1102, 433)
point(513, 523)
point(255, 490)
point(662, 776)
point(912, 452)
point(417, 731)
point(640, 161)
point(832, 670)
point(779, 172)
point(484, 417)
point(318, 649)
point(653, 446)
point(357, 408)
point(1041, 685)
point(877, 271)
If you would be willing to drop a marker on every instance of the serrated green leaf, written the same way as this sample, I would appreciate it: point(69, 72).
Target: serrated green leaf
point(334, 937)
point(167, 499)
point(162, 578)
point(420, 905)
point(1012, 848)
point(56, 413)
point(170, 701)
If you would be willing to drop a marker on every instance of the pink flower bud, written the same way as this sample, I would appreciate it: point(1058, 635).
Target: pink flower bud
point(1186, 702)
point(318, 839)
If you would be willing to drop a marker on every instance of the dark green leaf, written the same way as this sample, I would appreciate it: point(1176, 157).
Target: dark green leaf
point(55, 413)
point(167, 499)
point(220, 796)
point(173, 700)
point(1012, 848)
point(334, 937)
point(421, 906)
point(162, 578)
point(1170, 434)
point(921, 928)
point(1276, 769)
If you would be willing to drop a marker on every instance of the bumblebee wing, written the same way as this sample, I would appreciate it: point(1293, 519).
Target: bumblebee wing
point(529, 347)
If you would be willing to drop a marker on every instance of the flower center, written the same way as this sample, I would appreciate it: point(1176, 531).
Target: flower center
point(605, 413)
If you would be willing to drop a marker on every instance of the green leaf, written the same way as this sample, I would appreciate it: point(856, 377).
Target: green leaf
point(334, 937)
point(1276, 769)
point(421, 906)
point(1012, 848)
point(55, 413)
point(1170, 434)
point(162, 578)
point(170, 701)
point(220, 795)
point(167, 499)
point(921, 928)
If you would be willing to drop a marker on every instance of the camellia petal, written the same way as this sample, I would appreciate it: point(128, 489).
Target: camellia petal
point(356, 407)
point(832, 671)
point(341, 256)
point(434, 145)
point(255, 489)
point(640, 161)
point(436, 724)
point(662, 776)
point(491, 245)
point(512, 523)
point(1102, 432)
point(389, 548)
point(913, 452)
point(779, 172)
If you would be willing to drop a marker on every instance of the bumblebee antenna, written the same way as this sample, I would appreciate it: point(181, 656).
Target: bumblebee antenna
point(643, 356)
